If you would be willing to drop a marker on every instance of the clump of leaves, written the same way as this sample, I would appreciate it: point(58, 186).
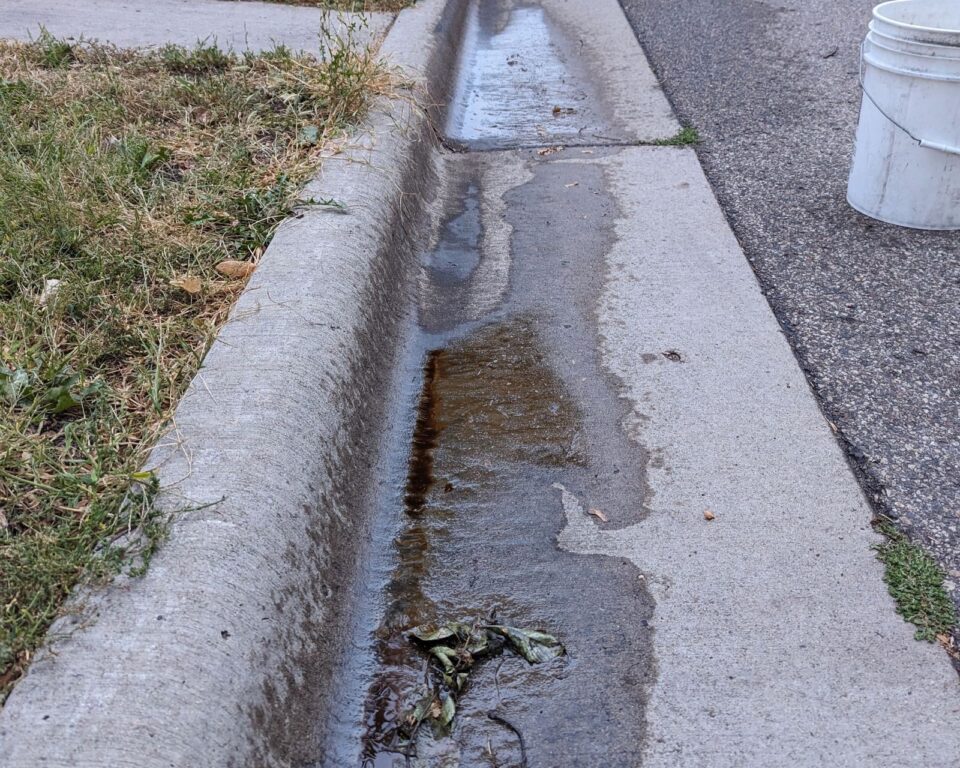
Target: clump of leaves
point(915, 581)
point(138, 191)
point(456, 647)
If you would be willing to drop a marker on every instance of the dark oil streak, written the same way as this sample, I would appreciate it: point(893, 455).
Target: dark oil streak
point(425, 436)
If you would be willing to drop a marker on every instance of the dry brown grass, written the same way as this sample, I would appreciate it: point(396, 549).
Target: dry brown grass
point(128, 177)
point(356, 6)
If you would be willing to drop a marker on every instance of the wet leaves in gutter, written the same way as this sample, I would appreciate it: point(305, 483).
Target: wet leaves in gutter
point(456, 647)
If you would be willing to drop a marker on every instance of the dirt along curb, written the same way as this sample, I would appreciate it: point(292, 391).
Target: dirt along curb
point(218, 655)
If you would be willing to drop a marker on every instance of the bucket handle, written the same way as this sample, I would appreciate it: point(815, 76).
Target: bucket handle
point(926, 143)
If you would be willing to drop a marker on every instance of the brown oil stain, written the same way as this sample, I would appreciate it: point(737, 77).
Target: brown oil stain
point(425, 435)
point(500, 399)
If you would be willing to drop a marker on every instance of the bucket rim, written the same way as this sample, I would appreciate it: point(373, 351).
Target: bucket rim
point(948, 66)
point(930, 49)
point(877, 14)
point(908, 72)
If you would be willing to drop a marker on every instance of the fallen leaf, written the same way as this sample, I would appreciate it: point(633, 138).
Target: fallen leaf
point(448, 711)
point(308, 134)
point(238, 270)
point(708, 515)
point(188, 283)
point(599, 515)
point(431, 633)
point(535, 647)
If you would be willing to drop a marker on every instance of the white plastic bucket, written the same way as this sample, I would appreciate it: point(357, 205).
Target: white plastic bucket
point(906, 166)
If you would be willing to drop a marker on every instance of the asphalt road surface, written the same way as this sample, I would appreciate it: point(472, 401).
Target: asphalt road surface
point(872, 310)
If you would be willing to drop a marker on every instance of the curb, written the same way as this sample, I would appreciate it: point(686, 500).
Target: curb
point(219, 655)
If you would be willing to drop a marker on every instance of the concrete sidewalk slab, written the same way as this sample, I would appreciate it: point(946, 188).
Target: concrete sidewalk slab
point(873, 310)
point(232, 24)
point(776, 640)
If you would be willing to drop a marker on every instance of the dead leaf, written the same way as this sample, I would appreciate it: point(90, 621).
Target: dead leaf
point(708, 515)
point(238, 270)
point(548, 150)
point(50, 288)
point(188, 283)
point(599, 515)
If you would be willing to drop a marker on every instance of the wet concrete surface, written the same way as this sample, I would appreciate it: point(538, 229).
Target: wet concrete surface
point(536, 73)
point(505, 407)
point(589, 368)
point(501, 400)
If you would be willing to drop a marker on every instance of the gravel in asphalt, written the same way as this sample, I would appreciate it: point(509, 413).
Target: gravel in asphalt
point(872, 310)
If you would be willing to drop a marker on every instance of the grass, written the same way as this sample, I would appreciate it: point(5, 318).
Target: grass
point(685, 137)
point(126, 179)
point(915, 581)
point(355, 6)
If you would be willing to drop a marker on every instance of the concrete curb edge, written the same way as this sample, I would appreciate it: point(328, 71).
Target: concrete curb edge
point(218, 655)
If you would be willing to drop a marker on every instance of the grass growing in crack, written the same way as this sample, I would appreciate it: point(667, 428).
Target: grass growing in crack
point(915, 581)
point(125, 179)
point(685, 137)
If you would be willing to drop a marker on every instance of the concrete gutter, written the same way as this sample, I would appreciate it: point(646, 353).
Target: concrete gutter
point(219, 654)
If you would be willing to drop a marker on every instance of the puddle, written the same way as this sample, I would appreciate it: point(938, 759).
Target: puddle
point(520, 82)
point(482, 543)
point(508, 405)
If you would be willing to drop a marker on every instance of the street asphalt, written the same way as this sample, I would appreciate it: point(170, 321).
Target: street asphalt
point(872, 310)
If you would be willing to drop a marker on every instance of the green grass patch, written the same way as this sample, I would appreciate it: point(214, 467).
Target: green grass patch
point(685, 137)
point(126, 179)
point(915, 581)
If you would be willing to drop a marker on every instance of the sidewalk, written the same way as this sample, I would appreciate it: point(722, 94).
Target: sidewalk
point(231, 24)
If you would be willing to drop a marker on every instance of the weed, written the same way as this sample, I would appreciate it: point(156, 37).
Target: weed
point(685, 137)
point(916, 583)
point(53, 52)
point(206, 58)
